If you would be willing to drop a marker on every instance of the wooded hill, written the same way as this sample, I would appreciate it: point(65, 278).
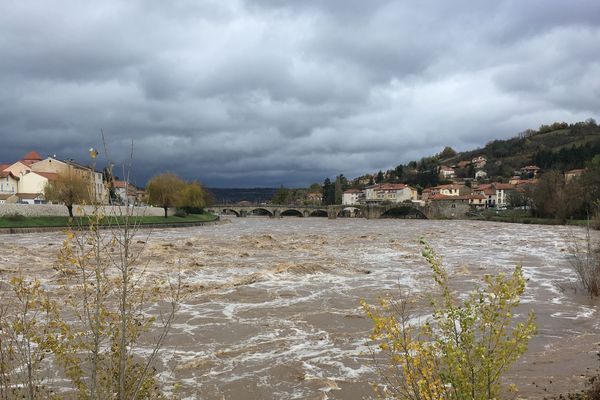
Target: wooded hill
point(557, 146)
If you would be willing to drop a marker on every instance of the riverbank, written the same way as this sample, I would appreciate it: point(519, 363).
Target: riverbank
point(524, 217)
point(20, 224)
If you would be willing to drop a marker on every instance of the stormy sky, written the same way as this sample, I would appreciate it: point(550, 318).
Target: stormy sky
point(241, 93)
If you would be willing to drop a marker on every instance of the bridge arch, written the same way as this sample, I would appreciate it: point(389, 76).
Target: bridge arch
point(227, 211)
point(261, 211)
point(318, 213)
point(291, 213)
point(403, 211)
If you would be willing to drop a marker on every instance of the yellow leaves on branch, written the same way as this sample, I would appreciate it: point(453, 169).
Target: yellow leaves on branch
point(462, 351)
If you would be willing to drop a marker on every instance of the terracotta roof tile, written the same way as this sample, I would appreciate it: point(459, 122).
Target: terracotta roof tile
point(51, 176)
point(32, 156)
point(503, 186)
point(29, 195)
point(4, 174)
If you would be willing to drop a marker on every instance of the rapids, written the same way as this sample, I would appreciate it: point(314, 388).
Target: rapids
point(272, 311)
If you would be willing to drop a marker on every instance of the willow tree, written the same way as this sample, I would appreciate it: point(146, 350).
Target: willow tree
point(192, 197)
point(164, 190)
point(68, 188)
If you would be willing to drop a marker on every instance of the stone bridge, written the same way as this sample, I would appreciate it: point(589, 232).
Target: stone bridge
point(406, 210)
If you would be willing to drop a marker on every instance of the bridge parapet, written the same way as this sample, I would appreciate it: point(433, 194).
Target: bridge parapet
point(368, 211)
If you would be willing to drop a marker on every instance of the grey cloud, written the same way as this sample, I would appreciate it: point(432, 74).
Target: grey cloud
point(269, 92)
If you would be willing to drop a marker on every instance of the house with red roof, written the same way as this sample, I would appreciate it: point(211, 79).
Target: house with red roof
point(353, 196)
point(488, 192)
point(32, 184)
point(56, 166)
point(447, 172)
point(22, 166)
point(31, 158)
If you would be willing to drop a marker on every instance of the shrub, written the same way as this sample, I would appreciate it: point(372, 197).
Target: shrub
point(16, 217)
point(586, 263)
point(462, 351)
point(180, 212)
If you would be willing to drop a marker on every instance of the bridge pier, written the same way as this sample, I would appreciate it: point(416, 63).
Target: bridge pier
point(371, 212)
point(331, 212)
point(243, 213)
point(276, 213)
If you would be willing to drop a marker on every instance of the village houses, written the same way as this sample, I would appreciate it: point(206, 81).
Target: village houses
point(32, 173)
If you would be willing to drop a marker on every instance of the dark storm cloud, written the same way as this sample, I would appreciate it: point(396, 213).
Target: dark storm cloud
point(264, 92)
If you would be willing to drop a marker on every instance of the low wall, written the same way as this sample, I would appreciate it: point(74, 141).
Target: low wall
point(55, 210)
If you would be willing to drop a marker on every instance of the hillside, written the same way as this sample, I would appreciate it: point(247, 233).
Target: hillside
point(568, 147)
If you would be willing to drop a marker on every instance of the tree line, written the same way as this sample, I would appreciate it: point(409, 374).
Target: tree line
point(164, 190)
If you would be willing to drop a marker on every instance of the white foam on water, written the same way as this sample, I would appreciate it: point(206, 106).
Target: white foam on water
point(241, 334)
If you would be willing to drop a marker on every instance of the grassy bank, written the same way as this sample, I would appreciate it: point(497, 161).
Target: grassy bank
point(524, 217)
point(46, 222)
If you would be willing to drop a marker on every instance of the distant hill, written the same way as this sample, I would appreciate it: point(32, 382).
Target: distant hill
point(232, 195)
point(558, 146)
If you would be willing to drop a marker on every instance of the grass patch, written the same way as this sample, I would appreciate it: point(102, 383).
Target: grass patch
point(47, 222)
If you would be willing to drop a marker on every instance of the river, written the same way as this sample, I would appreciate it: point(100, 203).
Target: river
point(272, 305)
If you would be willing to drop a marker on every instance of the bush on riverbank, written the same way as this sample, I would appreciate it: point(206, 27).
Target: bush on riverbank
point(462, 351)
point(95, 330)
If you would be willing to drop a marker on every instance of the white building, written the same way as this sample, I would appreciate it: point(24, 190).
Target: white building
point(353, 196)
point(451, 190)
point(481, 174)
point(9, 185)
point(390, 192)
point(446, 172)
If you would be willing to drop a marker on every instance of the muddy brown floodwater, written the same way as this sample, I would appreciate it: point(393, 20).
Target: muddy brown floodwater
point(272, 305)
